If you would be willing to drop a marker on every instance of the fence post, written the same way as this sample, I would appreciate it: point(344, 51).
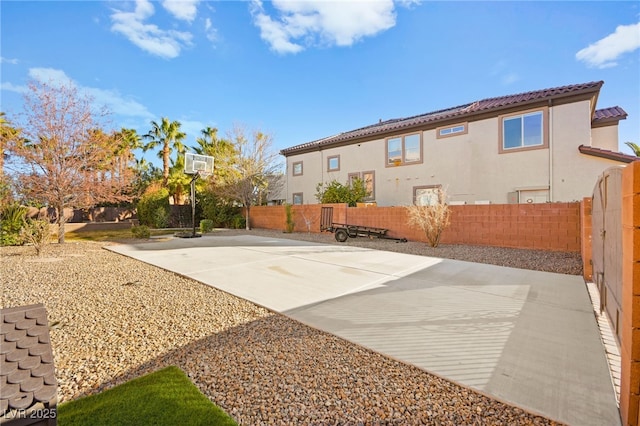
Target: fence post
point(630, 342)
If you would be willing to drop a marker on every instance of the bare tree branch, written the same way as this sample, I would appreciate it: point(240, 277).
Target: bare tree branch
point(64, 158)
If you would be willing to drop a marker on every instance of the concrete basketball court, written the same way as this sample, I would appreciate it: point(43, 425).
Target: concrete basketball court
point(529, 338)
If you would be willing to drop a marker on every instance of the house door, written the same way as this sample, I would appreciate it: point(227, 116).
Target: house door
point(606, 222)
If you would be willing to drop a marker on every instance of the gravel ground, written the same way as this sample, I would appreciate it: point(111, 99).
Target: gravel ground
point(113, 318)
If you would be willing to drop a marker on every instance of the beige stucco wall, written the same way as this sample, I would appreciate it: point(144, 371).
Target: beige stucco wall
point(605, 138)
point(469, 166)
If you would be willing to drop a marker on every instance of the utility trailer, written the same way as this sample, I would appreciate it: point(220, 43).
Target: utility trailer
point(343, 231)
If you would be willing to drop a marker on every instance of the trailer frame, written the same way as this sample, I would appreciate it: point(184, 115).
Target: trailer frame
point(344, 231)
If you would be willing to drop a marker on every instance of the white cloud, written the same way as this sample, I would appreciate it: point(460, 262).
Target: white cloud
point(604, 52)
point(501, 70)
point(185, 10)
point(192, 128)
point(510, 78)
point(50, 76)
point(112, 99)
point(303, 23)
point(10, 87)
point(148, 37)
point(210, 31)
point(8, 61)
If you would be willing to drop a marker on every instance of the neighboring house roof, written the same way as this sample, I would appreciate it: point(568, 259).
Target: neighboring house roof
point(27, 374)
point(605, 153)
point(607, 116)
point(463, 112)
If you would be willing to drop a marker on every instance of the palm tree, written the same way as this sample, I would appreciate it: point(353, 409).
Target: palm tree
point(222, 150)
point(634, 147)
point(7, 132)
point(168, 135)
point(127, 141)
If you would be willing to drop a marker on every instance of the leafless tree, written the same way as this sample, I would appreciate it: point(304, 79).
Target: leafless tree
point(431, 219)
point(255, 171)
point(64, 158)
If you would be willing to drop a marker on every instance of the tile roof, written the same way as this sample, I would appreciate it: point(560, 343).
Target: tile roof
point(27, 374)
point(609, 114)
point(605, 153)
point(484, 105)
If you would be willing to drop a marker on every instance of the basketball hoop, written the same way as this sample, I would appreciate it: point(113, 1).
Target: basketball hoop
point(198, 166)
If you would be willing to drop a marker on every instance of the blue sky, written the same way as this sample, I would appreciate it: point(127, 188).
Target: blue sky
point(304, 70)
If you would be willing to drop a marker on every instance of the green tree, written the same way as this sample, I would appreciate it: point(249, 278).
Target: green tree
point(634, 147)
point(153, 208)
point(145, 174)
point(336, 192)
point(178, 182)
point(7, 133)
point(167, 135)
point(223, 152)
point(127, 141)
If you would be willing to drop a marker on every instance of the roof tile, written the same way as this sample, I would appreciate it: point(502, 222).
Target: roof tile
point(605, 153)
point(461, 111)
point(27, 372)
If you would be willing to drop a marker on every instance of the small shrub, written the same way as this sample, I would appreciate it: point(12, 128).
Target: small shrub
point(153, 208)
point(238, 222)
point(12, 219)
point(351, 193)
point(160, 217)
point(206, 225)
point(141, 231)
point(213, 207)
point(37, 233)
point(290, 223)
point(432, 219)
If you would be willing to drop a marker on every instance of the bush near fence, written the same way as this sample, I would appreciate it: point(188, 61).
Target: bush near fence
point(549, 226)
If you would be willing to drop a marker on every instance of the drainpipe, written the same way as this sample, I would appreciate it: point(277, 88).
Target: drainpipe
point(321, 166)
point(550, 150)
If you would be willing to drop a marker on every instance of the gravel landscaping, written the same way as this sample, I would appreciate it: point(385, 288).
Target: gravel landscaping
point(114, 318)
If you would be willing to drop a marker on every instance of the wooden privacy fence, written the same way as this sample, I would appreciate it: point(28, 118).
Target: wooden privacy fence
point(550, 226)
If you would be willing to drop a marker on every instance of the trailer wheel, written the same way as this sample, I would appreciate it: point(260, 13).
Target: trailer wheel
point(342, 235)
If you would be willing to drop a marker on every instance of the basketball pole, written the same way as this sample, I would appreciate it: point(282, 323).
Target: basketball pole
point(193, 202)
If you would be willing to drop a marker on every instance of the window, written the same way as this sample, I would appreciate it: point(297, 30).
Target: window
point(297, 198)
point(333, 163)
point(523, 131)
point(297, 168)
point(369, 180)
point(405, 149)
point(445, 132)
point(428, 195)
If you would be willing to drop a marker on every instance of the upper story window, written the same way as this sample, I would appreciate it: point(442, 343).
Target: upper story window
point(445, 132)
point(523, 131)
point(333, 163)
point(406, 149)
point(297, 168)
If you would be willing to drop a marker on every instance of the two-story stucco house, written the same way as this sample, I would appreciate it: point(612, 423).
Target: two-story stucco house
point(547, 145)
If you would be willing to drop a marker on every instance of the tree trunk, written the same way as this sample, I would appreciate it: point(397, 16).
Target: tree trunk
point(246, 217)
point(61, 221)
point(165, 165)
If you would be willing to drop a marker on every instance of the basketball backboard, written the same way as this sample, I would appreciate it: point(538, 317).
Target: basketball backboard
point(198, 164)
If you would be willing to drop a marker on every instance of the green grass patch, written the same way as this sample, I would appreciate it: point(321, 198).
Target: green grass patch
point(165, 397)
